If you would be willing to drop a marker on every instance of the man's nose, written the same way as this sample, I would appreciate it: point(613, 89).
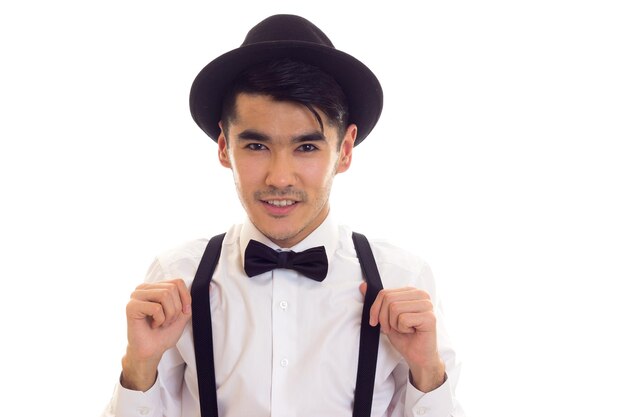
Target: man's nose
point(281, 172)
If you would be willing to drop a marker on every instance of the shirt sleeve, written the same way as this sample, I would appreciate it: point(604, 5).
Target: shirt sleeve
point(164, 397)
point(129, 403)
point(437, 403)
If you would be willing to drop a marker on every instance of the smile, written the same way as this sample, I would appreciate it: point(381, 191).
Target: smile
point(280, 203)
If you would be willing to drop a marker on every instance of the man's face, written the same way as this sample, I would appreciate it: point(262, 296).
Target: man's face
point(283, 165)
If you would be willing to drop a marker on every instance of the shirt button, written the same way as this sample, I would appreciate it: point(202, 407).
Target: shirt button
point(422, 410)
point(144, 411)
point(284, 305)
point(284, 363)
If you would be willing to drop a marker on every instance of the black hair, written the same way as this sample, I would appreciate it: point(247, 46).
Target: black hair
point(286, 79)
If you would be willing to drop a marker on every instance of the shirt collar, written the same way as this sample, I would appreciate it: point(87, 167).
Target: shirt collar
point(327, 235)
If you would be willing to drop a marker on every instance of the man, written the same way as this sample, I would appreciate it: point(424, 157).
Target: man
point(286, 110)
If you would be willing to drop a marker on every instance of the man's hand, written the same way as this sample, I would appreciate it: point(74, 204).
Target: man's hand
point(406, 316)
point(156, 316)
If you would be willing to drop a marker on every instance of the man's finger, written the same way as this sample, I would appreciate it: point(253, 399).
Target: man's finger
point(380, 312)
point(375, 310)
point(169, 301)
point(398, 308)
point(185, 296)
point(412, 322)
point(140, 310)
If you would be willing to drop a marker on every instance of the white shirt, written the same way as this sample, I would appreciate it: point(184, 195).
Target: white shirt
point(285, 345)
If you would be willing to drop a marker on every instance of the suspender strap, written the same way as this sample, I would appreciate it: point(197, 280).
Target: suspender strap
point(202, 332)
point(203, 335)
point(368, 346)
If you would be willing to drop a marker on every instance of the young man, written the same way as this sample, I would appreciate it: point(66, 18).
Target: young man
point(286, 110)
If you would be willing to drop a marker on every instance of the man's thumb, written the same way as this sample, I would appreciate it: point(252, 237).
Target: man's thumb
point(363, 288)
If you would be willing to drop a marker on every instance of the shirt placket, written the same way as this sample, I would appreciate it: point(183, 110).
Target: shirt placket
point(284, 338)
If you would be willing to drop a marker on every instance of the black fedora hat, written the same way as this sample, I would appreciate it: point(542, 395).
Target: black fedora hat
point(282, 36)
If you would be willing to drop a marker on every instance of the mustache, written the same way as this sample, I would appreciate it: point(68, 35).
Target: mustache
point(289, 193)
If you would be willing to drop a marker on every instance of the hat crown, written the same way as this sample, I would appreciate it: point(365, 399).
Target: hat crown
point(285, 27)
point(294, 37)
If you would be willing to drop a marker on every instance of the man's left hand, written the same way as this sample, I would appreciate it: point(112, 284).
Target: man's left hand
point(406, 316)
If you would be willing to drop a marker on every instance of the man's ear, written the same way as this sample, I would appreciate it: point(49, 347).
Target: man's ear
point(345, 153)
point(222, 148)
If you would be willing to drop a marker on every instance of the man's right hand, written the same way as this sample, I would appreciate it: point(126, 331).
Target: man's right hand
point(156, 315)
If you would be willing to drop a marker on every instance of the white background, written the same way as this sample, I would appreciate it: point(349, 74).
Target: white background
point(499, 159)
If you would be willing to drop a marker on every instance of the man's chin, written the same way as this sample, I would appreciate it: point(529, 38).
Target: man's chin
point(283, 235)
point(282, 238)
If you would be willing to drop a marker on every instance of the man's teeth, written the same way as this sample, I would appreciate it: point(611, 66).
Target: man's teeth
point(281, 203)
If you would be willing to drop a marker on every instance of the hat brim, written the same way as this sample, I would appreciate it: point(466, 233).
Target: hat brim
point(360, 85)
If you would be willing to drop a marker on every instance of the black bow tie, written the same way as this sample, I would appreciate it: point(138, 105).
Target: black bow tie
point(259, 258)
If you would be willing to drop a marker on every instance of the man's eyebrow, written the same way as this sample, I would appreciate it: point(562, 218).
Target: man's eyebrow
point(309, 137)
point(254, 135)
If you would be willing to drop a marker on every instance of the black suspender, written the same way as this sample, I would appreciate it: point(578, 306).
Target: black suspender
point(368, 346)
point(202, 330)
point(203, 336)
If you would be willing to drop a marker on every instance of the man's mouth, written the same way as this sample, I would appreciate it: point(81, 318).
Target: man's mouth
point(280, 203)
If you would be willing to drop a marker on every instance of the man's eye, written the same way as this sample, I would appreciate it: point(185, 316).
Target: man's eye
point(307, 147)
point(256, 147)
